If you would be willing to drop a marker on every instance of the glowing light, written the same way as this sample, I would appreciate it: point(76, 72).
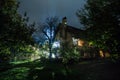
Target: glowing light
point(107, 54)
point(101, 53)
point(50, 33)
point(53, 56)
point(80, 43)
point(65, 22)
point(90, 43)
point(56, 44)
point(74, 41)
point(104, 54)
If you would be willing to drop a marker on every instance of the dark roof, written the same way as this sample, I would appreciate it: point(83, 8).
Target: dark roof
point(65, 17)
point(75, 32)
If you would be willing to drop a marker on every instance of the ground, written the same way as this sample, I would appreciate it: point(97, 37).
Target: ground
point(55, 70)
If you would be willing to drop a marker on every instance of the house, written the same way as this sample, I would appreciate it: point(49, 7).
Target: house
point(69, 37)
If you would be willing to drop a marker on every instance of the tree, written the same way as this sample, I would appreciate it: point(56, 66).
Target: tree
point(101, 19)
point(14, 29)
point(13, 26)
point(49, 31)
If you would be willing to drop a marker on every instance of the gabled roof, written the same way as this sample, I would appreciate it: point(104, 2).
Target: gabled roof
point(75, 32)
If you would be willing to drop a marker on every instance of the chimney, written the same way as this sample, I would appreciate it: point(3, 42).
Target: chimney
point(64, 20)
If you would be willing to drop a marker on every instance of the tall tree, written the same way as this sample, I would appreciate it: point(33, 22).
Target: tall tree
point(13, 27)
point(101, 19)
point(49, 30)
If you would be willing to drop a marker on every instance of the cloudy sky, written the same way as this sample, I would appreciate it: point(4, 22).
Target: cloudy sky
point(39, 10)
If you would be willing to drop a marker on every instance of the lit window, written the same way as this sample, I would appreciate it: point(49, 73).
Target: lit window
point(80, 42)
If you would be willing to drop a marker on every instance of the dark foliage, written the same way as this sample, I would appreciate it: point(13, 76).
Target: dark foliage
point(101, 19)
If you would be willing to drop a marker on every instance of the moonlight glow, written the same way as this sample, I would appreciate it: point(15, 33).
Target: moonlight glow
point(56, 44)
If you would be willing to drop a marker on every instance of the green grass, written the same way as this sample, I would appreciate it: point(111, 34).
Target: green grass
point(15, 74)
point(45, 70)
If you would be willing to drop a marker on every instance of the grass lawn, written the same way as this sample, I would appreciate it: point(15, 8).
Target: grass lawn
point(44, 70)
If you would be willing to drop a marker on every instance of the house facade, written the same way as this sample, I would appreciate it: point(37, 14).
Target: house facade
point(69, 37)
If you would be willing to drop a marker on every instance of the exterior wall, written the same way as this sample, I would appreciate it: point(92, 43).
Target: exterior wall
point(80, 43)
point(64, 36)
point(66, 40)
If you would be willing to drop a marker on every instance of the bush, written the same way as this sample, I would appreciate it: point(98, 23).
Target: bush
point(70, 55)
point(115, 58)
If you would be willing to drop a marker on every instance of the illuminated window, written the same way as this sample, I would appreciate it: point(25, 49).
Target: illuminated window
point(101, 53)
point(80, 43)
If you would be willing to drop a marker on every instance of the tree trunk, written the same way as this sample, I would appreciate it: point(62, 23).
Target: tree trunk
point(50, 50)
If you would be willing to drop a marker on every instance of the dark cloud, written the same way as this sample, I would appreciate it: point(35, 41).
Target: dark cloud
point(38, 10)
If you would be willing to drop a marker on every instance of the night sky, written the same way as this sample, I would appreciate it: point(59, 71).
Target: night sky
point(39, 10)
